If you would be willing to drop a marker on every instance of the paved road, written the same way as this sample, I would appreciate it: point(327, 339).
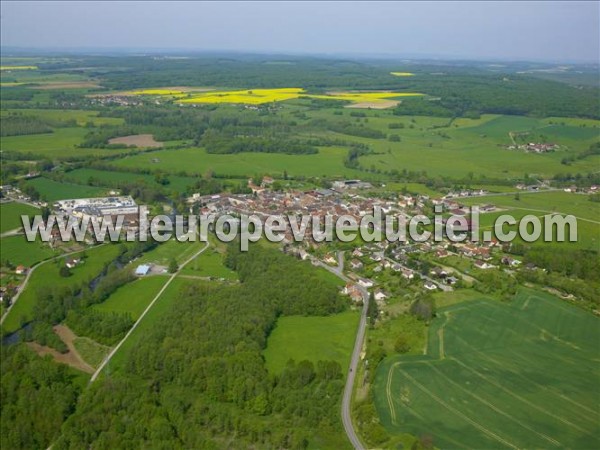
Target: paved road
point(358, 343)
point(148, 308)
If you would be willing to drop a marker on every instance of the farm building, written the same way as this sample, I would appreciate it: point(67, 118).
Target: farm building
point(142, 270)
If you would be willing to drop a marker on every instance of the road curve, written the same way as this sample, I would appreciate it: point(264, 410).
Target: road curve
point(112, 353)
point(358, 343)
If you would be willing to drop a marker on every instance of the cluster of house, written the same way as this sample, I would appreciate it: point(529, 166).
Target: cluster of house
point(535, 147)
point(591, 190)
point(316, 202)
point(115, 100)
point(13, 192)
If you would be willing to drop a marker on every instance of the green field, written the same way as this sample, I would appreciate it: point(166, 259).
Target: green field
point(52, 191)
point(329, 338)
point(539, 204)
point(474, 146)
point(47, 275)
point(559, 202)
point(62, 143)
point(134, 297)
point(10, 215)
point(209, 264)
point(329, 161)
point(166, 251)
point(82, 117)
point(19, 251)
point(112, 178)
point(496, 375)
point(91, 352)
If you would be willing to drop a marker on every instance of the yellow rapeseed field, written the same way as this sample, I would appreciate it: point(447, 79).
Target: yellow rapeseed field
point(185, 95)
point(402, 74)
point(260, 96)
point(249, 96)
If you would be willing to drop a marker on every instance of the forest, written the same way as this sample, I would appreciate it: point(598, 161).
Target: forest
point(185, 374)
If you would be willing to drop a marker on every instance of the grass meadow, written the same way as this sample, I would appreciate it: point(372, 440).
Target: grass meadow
point(52, 191)
point(10, 215)
point(47, 274)
point(19, 251)
point(134, 297)
point(209, 264)
point(329, 338)
point(328, 162)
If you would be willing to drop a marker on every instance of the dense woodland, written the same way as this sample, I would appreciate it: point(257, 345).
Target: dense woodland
point(186, 373)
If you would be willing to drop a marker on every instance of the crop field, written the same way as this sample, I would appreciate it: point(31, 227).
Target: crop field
point(59, 144)
point(96, 259)
point(466, 146)
point(475, 146)
point(542, 204)
point(134, 297)
point(329, 338)
point(402, 74)
point(82, 117)
point(558, 202)
point(499, 375)
point(260, 96)
point(10, 215)
point(52, 191)
point(329, 161)
point(19, 251)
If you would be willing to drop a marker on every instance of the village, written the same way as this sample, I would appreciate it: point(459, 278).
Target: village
point(387, 268)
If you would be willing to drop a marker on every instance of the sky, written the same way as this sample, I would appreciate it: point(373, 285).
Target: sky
point(537, 31)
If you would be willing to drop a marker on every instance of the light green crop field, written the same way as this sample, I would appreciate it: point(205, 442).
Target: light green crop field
point(166, 251)
point(499, 375)
point(18, 250)
point(10, 215)
point(134, 297)
point(82, 117)
point(329, 161)
point(111, 178)
point(61, 143)
point(329, 338)
point(47, 274)
point(52, 191)
point(551, 202)
point(542, 205)
point(209, 264)
point(467, 145)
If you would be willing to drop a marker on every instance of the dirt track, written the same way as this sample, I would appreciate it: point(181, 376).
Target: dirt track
point(71, 358)
point(138, 140)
